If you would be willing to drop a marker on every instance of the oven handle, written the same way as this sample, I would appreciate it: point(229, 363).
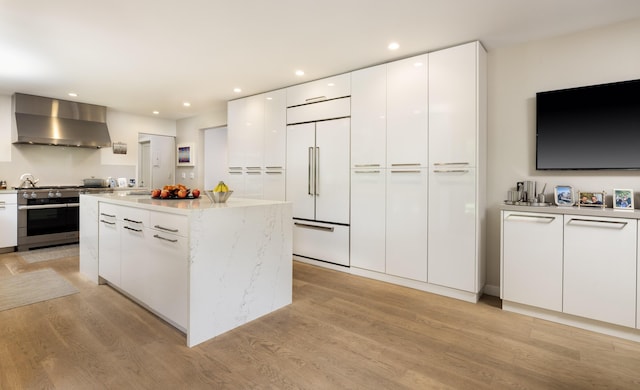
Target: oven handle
point(48, 206)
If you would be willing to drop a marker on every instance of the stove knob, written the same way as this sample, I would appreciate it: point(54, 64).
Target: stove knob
point(34, 195)
point(58, 194)
point(25, 195)
point(50, 194)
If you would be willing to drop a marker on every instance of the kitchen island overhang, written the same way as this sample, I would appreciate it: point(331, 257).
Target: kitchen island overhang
point(238, 256)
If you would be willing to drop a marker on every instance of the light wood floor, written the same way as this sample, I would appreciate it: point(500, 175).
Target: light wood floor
point(341, 332)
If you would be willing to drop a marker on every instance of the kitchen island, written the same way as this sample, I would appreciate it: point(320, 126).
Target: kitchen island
point(204, 267)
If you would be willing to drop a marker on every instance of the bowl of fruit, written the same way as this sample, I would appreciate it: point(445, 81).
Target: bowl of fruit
point(220, 194)
point(177, 191)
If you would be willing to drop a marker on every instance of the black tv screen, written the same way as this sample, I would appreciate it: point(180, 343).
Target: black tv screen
point(594, 127)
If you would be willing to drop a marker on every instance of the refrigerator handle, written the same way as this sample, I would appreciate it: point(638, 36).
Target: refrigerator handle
point(317, 176)
point(310, 160)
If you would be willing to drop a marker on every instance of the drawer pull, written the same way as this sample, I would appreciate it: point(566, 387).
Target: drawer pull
point(253, 168)
point(315, 227)
point(107, 222)
point(165, 239)
point(166, 229)
point(273, 173)
point(371, 171)
point(132, 221)
point(108, 215)
point(273, 167)
point(531, 217)
point(408, 171)
point(235, 168)
point(406, 165)
point(450, 171)
point(451, 163)
point(315, 98)
point(597, 222)
point(132, 229)
point(367, 165)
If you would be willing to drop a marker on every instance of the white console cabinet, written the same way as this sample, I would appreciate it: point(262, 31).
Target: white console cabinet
point(576, 266)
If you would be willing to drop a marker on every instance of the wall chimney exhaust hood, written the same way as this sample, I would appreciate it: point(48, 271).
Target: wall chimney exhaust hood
point(46, 121)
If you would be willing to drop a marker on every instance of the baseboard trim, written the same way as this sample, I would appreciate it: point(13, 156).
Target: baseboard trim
point(490, 289)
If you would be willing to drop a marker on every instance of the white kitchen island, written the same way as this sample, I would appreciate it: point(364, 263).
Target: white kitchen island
point(205, 268)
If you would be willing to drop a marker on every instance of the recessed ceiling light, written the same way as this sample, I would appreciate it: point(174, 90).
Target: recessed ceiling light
point(186, 104)
point(330, 85)
point(156, 112)
point(73, 94)
point(418, 64)
point(237, 90)
point(269, 98)
point(393, 46)
point(299, 73)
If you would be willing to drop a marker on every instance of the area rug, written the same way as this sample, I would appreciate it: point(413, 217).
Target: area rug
point(31, 287)
point(53, 253)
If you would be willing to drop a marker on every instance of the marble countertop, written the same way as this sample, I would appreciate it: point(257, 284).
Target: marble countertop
point(180, 206)
point(8, 191)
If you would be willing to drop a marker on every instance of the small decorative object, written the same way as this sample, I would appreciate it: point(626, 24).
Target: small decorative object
point(622, 199)
point(591, 199)
point(185, 155)
point(563, 196)
point(119, 148)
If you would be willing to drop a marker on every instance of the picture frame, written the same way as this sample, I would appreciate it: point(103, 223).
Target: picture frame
point(563, 196)
point(119, 148)
point(623, 199)
point(185, 155)
point(591, 199)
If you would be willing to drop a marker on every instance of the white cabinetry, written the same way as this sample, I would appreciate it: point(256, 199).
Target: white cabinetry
point(144, 254)
point(256, 145)
point(8, 221)
point(319, 90)
point(407, 112)
point(600, 268)
point(457, 160)
point(368, 216)
point(406, 225)
point(532, 259)
point(369, 117)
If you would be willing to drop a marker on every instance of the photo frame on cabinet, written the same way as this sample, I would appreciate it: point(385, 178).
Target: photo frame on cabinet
point(623, 199)
point(563, 196)
point(591, 199)
point(185, 155)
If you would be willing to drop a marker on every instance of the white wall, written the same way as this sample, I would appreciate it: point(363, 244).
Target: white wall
point(515, 75)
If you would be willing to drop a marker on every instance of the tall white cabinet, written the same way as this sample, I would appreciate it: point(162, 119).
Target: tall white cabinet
point(256, 146)
point(457, 166)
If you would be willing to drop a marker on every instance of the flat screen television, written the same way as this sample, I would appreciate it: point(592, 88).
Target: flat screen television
point(589, 128)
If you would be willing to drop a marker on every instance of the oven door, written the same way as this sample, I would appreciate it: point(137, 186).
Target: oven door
point(45, 224)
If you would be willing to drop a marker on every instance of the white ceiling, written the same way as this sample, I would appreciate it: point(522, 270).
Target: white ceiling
point(138, 56)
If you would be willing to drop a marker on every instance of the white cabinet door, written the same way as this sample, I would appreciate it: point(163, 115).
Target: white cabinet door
point(275, 129)
point(109, 248)
point(167, 275)
point(453, 105)
point(369, 117)
point(407, 112)
point(406, 229)
point(600, 268)
point(253, 129)
point(319, 90)
point(332, 171)
point(236, 114)
point(8, 220)
point(273, 185)
point(135, 262)
point(300, 173)
point(253, 184)
point(235, 182)
point(532, 259)
point(368, 219)
point(453, 237)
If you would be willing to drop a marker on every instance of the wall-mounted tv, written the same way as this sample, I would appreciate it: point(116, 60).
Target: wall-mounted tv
point(588, 128)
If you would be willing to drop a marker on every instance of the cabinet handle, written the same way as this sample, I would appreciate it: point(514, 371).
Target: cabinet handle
point(366, 165)
point(451, 163)
point(310, 159)
point(135, 230)
point(253, 173)
point(163, 238)
point(235, 173)
point(132, 221)
point(587, 222)
point(235, 168)
point(273, 173)
point(315, 227)
point(406, 165)
point(407, 171)
point(253, 168)
point(450, 171)
point(315, 98)
point(108, 215)
point(371, 171)
point(166, 229)
point(273, 167)
point(107, 222)
point(317, 178)
point(548, 219)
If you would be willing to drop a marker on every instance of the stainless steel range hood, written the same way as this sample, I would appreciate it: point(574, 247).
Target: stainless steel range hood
point(46, 121)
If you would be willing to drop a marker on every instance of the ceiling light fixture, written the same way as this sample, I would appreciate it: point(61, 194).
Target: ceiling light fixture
point(393, 46)
point(72, 94)
point(186, 104)
point(237, 90)
point(299, 73)
point(156, 112)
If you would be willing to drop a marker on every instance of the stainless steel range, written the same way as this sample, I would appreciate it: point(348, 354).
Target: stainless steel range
point(49, 216)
